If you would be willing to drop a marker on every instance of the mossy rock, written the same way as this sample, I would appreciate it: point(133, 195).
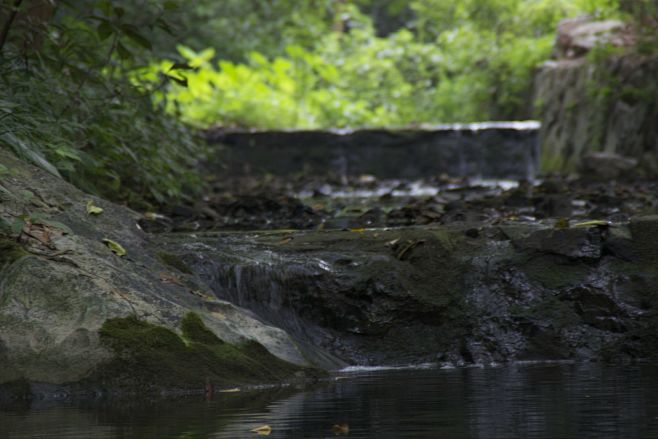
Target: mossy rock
point(173, 261)
point(196, 331)
point(10, 251)
point(150, 357)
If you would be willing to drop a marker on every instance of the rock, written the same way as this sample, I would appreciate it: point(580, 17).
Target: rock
point(60, 286)
point(417, 295)
point(572, 243)
point(602, 166)
point(577, 36)
point(588, 106)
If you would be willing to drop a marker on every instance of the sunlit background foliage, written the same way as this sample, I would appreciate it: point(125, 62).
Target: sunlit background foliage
point(95, 90)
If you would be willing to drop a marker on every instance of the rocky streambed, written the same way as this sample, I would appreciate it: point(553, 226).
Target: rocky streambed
point(105, 302)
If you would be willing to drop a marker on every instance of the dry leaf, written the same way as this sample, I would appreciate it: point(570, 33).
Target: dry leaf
point(339, 429)
point(234, 390)
point(599, 223)
point(359, 230)
point(115, 247)
point(169, 278)
point(561, 223)
point(263, 430)
point(92, 209)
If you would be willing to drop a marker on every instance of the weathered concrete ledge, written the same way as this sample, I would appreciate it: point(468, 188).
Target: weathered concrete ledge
point(489, 150)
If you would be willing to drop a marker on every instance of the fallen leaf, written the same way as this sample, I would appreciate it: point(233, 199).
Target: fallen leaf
point(561, 223)
point(285, 241)
point(263, 430)
point(234, 390)
point(592, 223)
point(339, 429)
point(169, 278)
point(152, 216)
point(360, 230)
point(92, 209)
point(115, 247)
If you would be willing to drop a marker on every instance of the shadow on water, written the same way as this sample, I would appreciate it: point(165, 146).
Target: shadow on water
point(522, 400)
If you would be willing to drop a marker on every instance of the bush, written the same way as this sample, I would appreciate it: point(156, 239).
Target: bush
point(459, 61)
point(70, 106)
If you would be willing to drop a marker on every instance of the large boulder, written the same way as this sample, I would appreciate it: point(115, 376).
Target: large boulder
point(64, 286)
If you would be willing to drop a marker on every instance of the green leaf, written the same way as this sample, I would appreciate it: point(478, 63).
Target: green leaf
point(104, 30)
point(92, 209)
point(26, 195)
point(115, 247)
point(29, 151)
point(180, 81)
point(17, 225)
point(66, 152)
point(170, 5)
point(181, 66)
point(131, 32)
point(124, 53)
point(5, 226)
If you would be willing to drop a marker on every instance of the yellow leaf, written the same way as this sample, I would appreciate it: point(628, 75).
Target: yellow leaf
point(92, 209)
point(561, 223)
point(358, 230)
point(263, 430)
point(592, 223)
point(339, 429)
point(115, 247)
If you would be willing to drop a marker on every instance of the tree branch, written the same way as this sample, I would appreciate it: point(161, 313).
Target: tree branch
point(10, 20)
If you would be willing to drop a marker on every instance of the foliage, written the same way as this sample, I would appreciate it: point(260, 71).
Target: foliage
point(456, 61)
point(70, 107)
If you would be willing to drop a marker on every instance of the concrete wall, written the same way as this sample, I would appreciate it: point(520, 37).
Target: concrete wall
point(490, 150)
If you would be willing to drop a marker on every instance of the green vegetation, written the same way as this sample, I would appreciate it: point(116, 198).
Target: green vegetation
point(95, 90)
point(147, 354)
point(69, 105)
point(456, 61)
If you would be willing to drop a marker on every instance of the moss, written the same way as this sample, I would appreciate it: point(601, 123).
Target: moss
point(173, 261)
point(10, 251)
point(195, 330)
point(150, 357)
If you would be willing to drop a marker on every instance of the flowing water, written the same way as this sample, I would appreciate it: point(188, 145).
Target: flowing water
point(512, 401)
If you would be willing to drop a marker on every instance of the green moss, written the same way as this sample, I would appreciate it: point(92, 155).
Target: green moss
point(173, 261)
point(195, 330)
point(150, 357)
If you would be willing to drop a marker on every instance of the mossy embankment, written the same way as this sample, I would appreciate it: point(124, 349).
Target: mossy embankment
point(149, 357)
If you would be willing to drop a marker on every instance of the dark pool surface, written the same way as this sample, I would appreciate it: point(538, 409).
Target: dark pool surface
point(523, 400)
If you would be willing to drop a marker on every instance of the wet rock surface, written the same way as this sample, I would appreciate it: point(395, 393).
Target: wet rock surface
point(366, 271)
point(308, 202)
point(446, 294)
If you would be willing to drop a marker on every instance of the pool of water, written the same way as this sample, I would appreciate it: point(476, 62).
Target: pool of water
point(522, 400)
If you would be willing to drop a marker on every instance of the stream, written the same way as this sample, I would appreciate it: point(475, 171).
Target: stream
point(529, 400)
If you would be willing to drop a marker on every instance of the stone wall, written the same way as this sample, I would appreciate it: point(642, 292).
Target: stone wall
point(604, 102)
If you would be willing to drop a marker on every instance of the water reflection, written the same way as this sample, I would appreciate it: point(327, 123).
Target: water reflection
point(526, 401)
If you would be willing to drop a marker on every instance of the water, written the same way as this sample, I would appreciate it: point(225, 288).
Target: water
point(524, 401)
